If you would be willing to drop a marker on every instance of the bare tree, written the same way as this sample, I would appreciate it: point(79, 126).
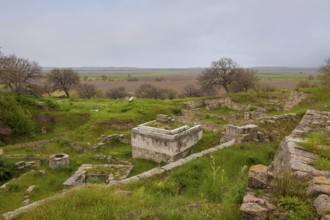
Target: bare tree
point(18, 74)
point(220, 74)
point(86, 91)
point(325, 73)
point(116, 93)
point(63, 79)
point(244, 80)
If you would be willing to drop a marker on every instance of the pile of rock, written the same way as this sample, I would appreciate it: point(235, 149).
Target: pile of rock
point(242, 134)
point(164, 118)
point(27, 196)
point(105, 139)
point(77, 147)
point(24, 164)
point(108, 158)
point(259, 206)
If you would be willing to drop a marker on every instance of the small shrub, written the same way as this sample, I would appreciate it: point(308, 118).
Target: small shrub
point(298, 209)
point(176, 111)
point(7, 170)
point(86, 91)
point(116, 93)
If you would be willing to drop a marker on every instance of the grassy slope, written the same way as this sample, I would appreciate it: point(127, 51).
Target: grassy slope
point(169, 196)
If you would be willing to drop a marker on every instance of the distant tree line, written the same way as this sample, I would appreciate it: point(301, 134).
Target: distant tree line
point(21, 76)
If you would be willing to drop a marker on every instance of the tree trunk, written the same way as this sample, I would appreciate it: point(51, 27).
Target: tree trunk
point(67, 93)
point(226, 88)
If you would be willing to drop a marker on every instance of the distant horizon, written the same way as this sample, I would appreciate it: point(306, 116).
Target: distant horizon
point(166, 33)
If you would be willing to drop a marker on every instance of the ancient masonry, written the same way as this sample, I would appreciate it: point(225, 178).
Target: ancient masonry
point(81, 175)
point(59, 160)
point(241, 134)
point(290, 157)
point(217, 103)
point(294, 99)
point(163, 145)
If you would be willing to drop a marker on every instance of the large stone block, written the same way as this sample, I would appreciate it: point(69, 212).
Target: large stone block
point(258, 177)
point(163, 145)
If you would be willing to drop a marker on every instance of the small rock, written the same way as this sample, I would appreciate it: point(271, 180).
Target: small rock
point(42, 172)
point(30, 189)
point(26, 202)
point(100, 144)
point(322, 204)
point(258, 177)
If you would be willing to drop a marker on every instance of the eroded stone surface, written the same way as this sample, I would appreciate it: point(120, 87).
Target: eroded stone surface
point(163, 145)
point(322, 204)
point(319, 185)
point(258, 177)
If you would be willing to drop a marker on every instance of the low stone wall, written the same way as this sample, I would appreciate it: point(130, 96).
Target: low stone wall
point(241, 134)
point(208, 126)
point(215, 103)
point(294, 99)
point(33, 145)
point(295, 159)
point(163, 145)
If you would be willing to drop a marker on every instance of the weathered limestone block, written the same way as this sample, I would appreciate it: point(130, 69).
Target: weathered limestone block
point(164, 145)
point(59, 160)
point(319, 185)
point(322, 204)
point(240, 134)
point(255, 208)
point(258, 177)
point(163, 118)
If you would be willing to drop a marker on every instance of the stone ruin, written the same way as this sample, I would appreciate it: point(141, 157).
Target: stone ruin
point(293, 158)
point(241, 134)
point(81, 176)
point(294, 99)
point(162, 145)
point(218, 103)
point(59, 160)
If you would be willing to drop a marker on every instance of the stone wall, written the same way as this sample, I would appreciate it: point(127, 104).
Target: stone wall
point(294, 99)
point(290, 157)
point(241, 134)
point(164, 145)
point(215, 103)
point(208, 126)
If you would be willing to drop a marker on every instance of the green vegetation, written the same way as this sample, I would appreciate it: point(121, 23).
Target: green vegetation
point(289, 193)
point(14, 116)
point(319, 143)
point(209, 187)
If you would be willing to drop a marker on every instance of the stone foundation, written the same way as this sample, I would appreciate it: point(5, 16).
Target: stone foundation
point(59, 160)
point(241, 134)
point(163, 145)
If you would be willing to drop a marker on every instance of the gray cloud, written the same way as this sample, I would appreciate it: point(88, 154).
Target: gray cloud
point(166, 33)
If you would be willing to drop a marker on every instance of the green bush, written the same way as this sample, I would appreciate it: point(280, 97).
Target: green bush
point(7, 170)
point(14, 116)
point(298, 209)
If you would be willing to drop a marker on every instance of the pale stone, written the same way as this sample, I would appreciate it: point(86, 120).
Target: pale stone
point(258, 177)
point(322, 204)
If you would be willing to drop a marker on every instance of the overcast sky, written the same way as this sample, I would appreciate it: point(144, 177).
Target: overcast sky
point(166, 33)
